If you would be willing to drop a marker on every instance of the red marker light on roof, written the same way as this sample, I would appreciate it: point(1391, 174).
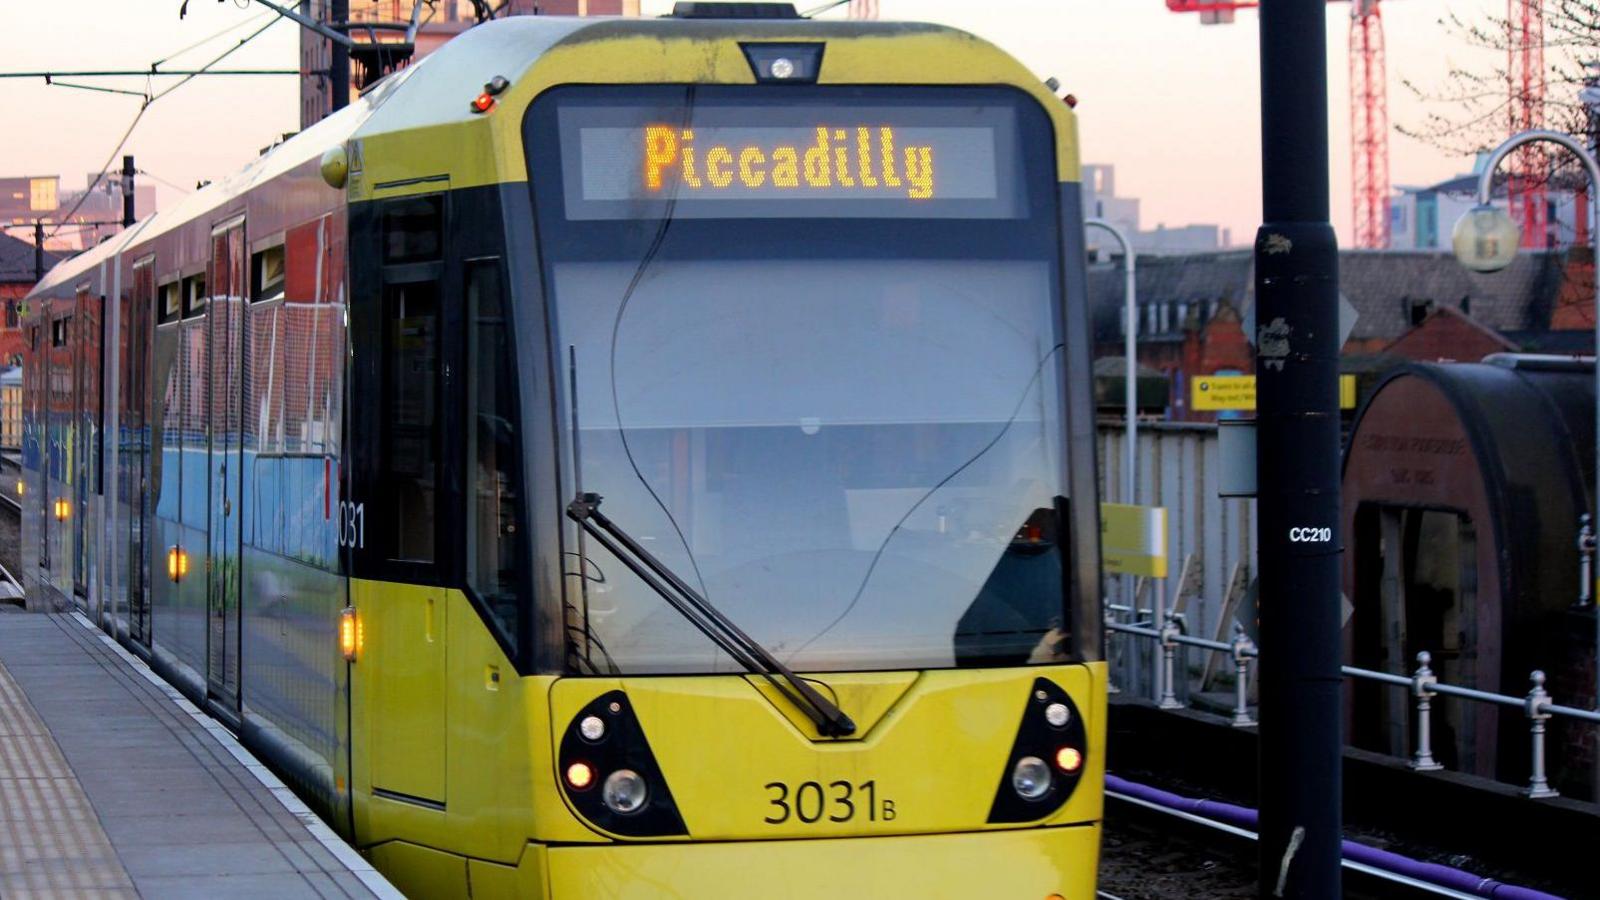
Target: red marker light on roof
point(483, 102)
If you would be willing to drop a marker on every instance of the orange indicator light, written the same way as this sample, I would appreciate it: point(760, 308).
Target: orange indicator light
point(21, 488)
point(177, 563)
point(349, 633)
point(1069, 759)
point(579, 775)
point(63, 508)
point(483, 102)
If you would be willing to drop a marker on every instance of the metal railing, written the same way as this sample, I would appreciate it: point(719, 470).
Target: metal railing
point(1423, 685)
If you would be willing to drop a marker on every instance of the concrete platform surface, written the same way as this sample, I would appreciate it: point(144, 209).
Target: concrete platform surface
point(114, 785)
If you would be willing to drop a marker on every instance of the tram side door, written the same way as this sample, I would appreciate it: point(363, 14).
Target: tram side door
point(139, 322)
point(224, 318)
point(86, 434)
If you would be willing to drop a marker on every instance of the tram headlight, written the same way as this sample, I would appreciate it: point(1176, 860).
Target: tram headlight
point(1048, 757)
point(1030, 778)
point(610, 777)
point(624, 791)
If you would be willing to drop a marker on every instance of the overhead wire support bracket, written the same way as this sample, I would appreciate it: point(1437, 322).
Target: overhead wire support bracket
point(307, 22)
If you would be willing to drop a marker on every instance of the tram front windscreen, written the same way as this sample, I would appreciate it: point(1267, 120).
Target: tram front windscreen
point(809, 338)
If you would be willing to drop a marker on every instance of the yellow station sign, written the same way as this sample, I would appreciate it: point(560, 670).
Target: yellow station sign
point(1216, 393)
point(1133, 539)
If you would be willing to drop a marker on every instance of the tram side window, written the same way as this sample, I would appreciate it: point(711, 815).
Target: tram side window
point(194, 295)
point(171, 303)
point(267, 274)
point(494, 477)
point(408, 449)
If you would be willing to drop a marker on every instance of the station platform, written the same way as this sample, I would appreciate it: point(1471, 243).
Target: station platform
point(113, 785)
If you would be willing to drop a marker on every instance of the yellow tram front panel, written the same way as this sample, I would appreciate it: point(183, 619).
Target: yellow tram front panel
point(1031, 864)
point(934, 742)
point(934, 757)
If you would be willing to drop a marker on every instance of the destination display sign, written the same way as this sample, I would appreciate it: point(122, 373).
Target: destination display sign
point(789, 162)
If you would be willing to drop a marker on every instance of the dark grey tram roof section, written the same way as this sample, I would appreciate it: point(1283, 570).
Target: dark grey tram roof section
point(111, 785)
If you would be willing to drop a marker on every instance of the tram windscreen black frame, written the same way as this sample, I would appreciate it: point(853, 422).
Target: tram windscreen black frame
point(1024, 227)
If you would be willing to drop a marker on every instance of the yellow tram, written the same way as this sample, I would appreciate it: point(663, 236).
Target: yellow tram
point(618, 458)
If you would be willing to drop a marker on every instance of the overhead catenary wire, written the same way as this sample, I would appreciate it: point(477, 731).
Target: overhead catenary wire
point(145, 106)
point(155, 67)
point(49, 75)
point(53, 82)
point(818, 10)
point(206, 40)
point(154, 177)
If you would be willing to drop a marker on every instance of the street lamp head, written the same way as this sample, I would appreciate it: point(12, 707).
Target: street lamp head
point(1485, 239)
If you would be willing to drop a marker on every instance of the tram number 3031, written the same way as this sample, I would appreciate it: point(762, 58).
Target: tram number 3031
point(840, 801)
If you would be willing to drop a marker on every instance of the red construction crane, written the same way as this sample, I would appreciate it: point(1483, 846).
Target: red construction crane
point(1369, 113)
point(1369, 109)
point(1530, 166)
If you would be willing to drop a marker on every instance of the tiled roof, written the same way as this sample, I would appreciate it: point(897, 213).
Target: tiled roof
point(16, 260)
point(1383, 285)
point(1380, 285)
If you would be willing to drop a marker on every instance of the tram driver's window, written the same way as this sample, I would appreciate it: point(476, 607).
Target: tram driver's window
point(408, 449)
point(412, 229)
point(492, 456)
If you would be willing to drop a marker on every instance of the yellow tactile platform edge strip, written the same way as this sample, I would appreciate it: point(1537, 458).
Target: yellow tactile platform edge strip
point(51, 842)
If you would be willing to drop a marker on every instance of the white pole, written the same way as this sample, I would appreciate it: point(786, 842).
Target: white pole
point(1130, 334)
point(1485, 184)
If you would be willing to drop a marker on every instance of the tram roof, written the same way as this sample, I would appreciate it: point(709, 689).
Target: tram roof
point(436, 90)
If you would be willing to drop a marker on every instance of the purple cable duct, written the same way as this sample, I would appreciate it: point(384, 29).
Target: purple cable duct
point(1245, 817)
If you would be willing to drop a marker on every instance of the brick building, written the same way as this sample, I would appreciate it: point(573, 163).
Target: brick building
point(16, 279)
point(1194, 311)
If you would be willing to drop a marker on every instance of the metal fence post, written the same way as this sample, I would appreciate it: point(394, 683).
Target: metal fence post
point(1422, 682)
point(1111, 684)
point(1241, 678)
point(1538, 699)
point(1169, 653)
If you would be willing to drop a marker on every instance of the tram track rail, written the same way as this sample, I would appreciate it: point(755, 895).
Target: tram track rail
point(1239, 844)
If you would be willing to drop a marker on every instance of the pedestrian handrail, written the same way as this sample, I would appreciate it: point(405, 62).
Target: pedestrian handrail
point(1422, 683)
point(1369, 674)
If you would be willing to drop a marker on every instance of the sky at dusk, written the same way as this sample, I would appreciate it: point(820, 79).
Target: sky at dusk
point(1171, 103)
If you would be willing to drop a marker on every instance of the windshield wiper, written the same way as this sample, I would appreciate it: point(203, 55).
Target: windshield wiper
point(830, 720)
